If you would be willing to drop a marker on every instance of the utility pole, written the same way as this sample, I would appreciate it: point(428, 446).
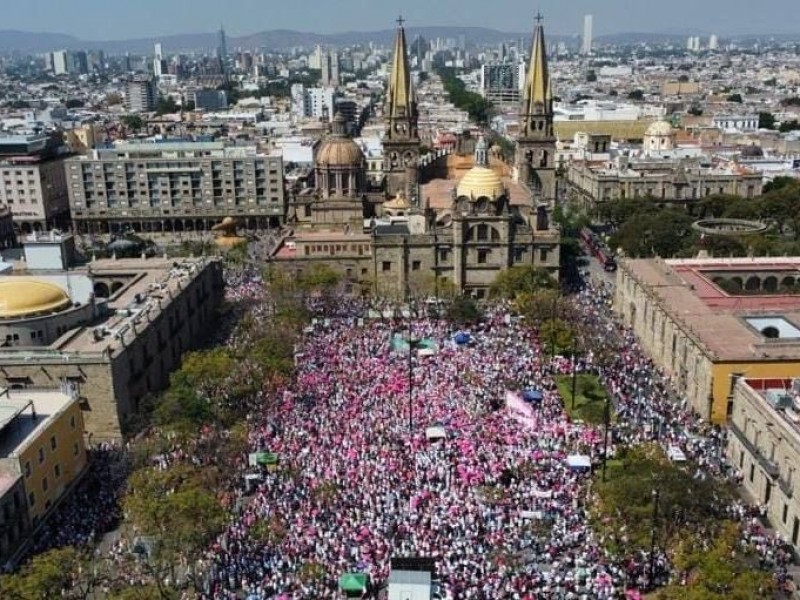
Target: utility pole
point(653, 528)
point(606, 419)
point(574, 378)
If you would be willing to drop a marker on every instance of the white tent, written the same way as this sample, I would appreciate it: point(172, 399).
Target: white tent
point(435, 434)
point(579, 461)
point(675, 454)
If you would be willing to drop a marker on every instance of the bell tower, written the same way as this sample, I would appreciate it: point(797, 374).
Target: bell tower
point(401, 141)
point(536, 143)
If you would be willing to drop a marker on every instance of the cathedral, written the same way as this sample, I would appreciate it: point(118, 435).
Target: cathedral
point(451, 223)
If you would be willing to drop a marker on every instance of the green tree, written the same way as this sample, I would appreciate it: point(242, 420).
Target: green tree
point(766, 120)
point(62, 573)
point(736, 98)
point(132, 122)
point(176, 510)
point(463, 310)
point(637, 95)
point(166, 105)
point(788, 126)
point(74, 103)
point(521, 279)
point(477, 106)
point(655, 233)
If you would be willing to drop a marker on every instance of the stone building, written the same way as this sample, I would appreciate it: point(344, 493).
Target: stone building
point(112, 329)
point(454, 222)
point(706, 321)
point(764, 444)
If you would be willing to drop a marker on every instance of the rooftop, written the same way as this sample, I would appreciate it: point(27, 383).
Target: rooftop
point(24, 413)
point(727, 325)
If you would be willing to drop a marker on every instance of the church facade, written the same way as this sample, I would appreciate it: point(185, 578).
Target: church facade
point(422, 235)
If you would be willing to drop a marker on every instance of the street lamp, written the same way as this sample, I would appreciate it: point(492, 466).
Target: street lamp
point(606, 420)
point(653, 524)
point(413, 344)
point(574, 378)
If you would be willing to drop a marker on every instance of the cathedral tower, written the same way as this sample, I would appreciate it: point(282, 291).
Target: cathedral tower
point(536, 142)
point(401, 141)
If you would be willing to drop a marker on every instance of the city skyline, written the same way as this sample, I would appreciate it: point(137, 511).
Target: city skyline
point(96, 21)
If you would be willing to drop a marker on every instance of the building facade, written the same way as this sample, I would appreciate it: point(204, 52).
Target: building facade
point(32, 182)
point(764, 445)
point(140, 94)
point(174, 187)
point(146, 314)
point(42, 455)
point(420, 234)
point(707, 321)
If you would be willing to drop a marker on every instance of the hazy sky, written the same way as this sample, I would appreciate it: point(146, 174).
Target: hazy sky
point(120, 19)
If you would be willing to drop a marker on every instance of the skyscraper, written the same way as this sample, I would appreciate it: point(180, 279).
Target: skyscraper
point(713, 42)
point(222, 52)
point(587, 34)
point(158, 62)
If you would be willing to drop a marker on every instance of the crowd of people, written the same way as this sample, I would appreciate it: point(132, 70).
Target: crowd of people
point(361, 478)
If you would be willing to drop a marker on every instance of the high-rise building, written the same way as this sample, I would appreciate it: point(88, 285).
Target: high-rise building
point(210, 99)
point(330, 68)
point(58, 60)
point(222, 52)
point(501, 83)
point(158, 62)
point(140, 94)
point(34, 184)
point(316, 103)
point(168, 186)
point(586, 48)
point(401, 142)
point(713, 42)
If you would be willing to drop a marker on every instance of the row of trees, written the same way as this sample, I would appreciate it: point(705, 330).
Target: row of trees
point(643, 227)
point(477, 106)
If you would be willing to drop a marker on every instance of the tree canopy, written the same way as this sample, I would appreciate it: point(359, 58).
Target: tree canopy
point(520, 280)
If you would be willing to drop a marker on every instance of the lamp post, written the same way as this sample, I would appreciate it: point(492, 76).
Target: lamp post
point(412, 345)
point(574, 378)
point(553, 329)
point(653, 524)
point(606, 419)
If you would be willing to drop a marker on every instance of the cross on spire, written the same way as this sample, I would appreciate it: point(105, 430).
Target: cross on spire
point(539, 18)
point(400, 21)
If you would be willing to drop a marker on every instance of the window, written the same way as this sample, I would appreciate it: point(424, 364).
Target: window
point(28, 469)
point(45, 485)
point(75, 449)
point(416, 265)
point(482, 256)
point(386, 266)
point(785, 515)
point(41, 455)
point(72, 422)
point(752, 473)
point(543, 254)
point(57, 471)
point(53, 443)
point(31, 498)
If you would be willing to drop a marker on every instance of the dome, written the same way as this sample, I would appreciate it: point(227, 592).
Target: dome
point(338, 150)
point(30, 297)
point(659, 128)
point(481, 182)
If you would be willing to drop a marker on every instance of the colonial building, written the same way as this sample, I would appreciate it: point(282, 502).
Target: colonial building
point(764, 444)
point(401, 140)
point(453, 222)
point(112, 329)
point(708, 321)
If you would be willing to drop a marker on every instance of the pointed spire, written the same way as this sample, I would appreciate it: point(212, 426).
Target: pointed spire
point(538, 91)
point(400, 94)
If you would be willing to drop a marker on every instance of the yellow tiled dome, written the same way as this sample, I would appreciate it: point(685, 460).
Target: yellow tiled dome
point(480, 182)
point(22, 297)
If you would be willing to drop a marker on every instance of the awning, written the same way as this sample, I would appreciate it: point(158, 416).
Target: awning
point(461, 338)
point(353, 582)
point(266, 458)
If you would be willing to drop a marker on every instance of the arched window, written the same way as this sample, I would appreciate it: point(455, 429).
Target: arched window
point(771, 284)
point(536, 183)
point(753, 284)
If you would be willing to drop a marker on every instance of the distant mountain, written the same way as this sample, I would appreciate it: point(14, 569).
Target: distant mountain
point(28, 42)
point(24, 41)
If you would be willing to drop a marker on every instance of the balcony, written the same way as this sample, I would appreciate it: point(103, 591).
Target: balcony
point(770, 466)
